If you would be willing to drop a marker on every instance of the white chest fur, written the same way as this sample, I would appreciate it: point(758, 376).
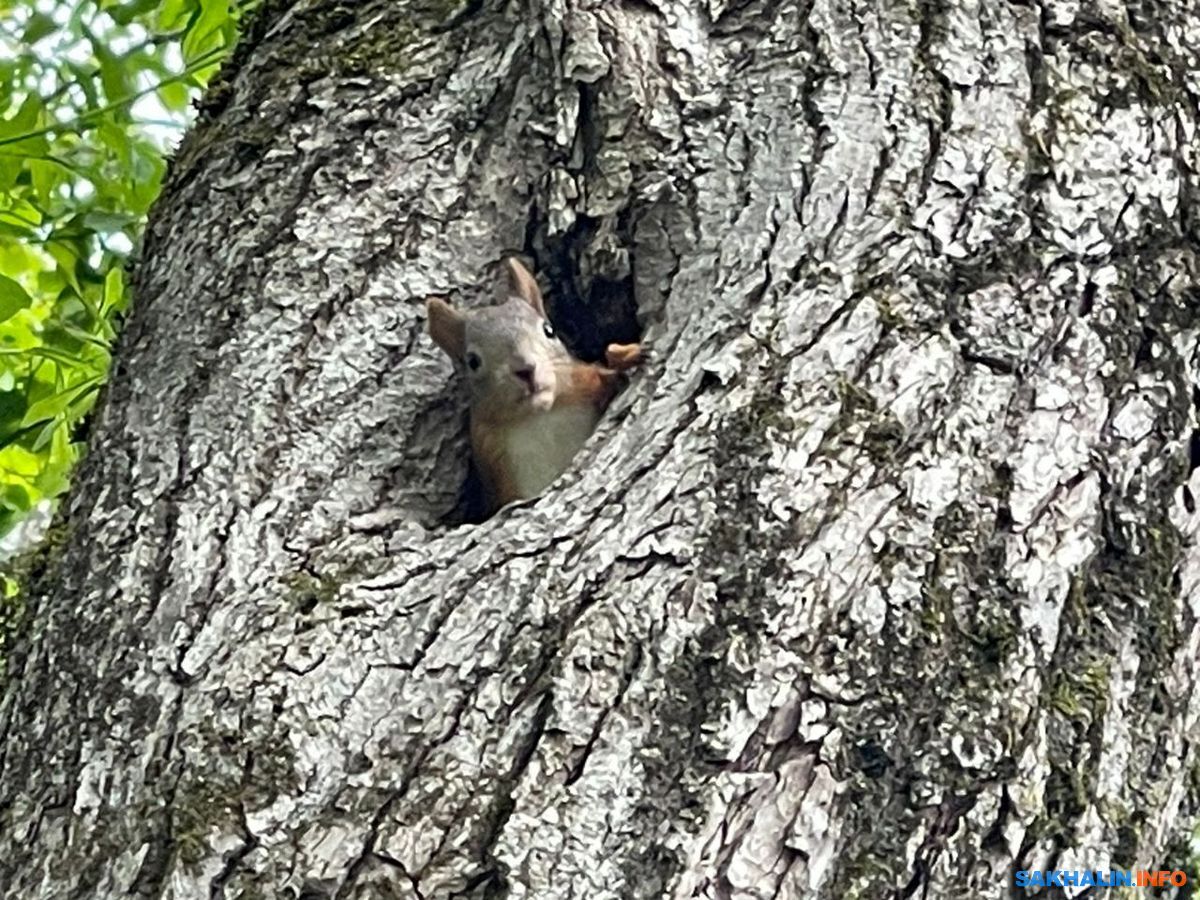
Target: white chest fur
point(542, 446)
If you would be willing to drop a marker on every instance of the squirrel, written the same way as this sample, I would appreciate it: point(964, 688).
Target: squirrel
point(533, 404)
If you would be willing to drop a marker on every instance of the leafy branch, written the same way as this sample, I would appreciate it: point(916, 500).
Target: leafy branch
point(83, 122)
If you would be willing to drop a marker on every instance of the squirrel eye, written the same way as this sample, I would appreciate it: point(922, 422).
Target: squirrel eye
point(473, 361)
point(548, 329)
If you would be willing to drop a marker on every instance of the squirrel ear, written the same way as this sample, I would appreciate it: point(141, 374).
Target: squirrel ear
point(447, 327)
point(518, 282)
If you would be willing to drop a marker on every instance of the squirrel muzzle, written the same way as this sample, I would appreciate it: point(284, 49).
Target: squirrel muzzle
point(536, 380)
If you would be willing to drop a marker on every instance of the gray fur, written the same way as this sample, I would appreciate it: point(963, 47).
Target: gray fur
point(504, 336)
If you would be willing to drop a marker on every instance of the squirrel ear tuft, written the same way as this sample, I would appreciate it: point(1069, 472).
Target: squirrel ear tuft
point(519, 282)
point(447, 327)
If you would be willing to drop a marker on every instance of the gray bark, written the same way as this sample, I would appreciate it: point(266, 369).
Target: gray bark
point(880, 579)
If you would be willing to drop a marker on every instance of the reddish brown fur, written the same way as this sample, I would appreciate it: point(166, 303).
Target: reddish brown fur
point(487, 446)
point(623, 357)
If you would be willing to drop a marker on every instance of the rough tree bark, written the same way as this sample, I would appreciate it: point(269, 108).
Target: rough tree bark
point(880, 580)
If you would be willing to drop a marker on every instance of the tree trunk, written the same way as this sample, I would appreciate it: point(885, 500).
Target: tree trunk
point(879, 580)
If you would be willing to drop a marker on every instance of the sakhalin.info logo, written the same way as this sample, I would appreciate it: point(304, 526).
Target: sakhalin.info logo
point(1111, 878)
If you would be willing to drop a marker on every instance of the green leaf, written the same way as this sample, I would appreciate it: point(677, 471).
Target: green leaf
point(113, 75)
point(68, 263)
point(18, 135)
point(16, 497)
point(206, 30)
point(146, 180)
point(174, 96)
point(13, 298)
point(21, 212)
point(46, 435)
point(40, 25)
point(174, 13)
point(85, 80)
point(70, 310)
point(65, 359)
point(84, 335)
point(10, 228)
point(52, 480)
point(56, 404)
point(114, 291)
point(12, 409)
point(76, 170)
point(45, 176)
point(116, 139)
point(106, 222)
point(126, 13)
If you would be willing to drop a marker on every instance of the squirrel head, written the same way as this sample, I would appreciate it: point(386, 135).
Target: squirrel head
point(510, 350)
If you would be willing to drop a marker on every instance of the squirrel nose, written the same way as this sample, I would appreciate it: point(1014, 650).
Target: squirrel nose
point(525, 376)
